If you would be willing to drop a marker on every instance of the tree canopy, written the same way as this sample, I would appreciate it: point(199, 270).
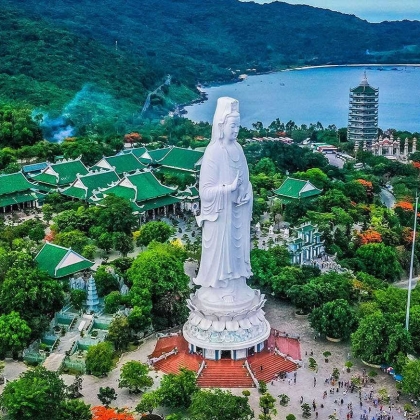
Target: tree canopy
point(37, 394)
point(216, 404)
point(160, 283)
point(177, 391)
point(99, 359)
point(135, 376)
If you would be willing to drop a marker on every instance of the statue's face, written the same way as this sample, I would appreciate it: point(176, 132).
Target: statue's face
point(231, 128)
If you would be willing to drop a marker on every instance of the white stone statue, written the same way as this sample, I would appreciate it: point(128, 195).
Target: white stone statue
point(226, 210)
point(225, 313)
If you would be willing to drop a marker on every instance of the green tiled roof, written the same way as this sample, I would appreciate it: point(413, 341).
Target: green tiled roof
point(194, 191)
point(75, 192)
point(306, 228)
point(296, 189)
point(190, 193)
point(61, 173)
point(59, 261)
point(158, 202)
point(8, 200)
point(364, 89)
point(158, 154)
point(12, 183)
point(139, 187)
point(121, 191)
point(138, 152)
point(83, 187)
point(123, 163)
point(148, 187)
point(185, 159)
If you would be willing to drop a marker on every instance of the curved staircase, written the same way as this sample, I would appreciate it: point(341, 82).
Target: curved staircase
point(227, 373)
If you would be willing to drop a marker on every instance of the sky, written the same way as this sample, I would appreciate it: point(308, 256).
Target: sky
point(370, 10)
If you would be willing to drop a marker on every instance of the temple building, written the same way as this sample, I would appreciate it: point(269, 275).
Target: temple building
point(190, 199)
point(148, 197)
point(393, 149)
point(60, 262)
point(179, 161)
point(363, 114)
point(305, 244)
point(141, 153)
point(294, 189)
point(17, 193)
point(60, 174)
point(121, 164)
point(85, 185)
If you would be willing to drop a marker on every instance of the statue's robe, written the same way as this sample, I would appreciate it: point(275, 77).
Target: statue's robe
point(226, 225)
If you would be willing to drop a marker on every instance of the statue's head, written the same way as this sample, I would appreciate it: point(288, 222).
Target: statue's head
point(226, 120)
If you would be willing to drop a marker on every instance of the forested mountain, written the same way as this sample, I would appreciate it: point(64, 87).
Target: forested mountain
point(119, 50)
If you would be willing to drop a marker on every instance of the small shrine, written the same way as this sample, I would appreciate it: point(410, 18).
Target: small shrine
point(305, 244)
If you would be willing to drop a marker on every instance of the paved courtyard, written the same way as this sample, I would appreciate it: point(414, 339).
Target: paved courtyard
point(281, 317)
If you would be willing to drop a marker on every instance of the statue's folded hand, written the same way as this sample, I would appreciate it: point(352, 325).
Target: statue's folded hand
point(235, 184)
point(243, 200)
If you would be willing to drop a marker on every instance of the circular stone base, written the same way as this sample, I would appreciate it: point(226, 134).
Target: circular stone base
point(226, 340)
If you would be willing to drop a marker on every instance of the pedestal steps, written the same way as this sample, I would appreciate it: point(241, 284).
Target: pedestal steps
point(225, 374)
point(173, 363)
point(271, 363)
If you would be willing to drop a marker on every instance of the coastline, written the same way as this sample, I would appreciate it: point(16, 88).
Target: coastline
point(352, 65)
point(201, 88)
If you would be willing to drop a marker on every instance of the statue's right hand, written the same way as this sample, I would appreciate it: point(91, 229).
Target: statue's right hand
point(235, 183)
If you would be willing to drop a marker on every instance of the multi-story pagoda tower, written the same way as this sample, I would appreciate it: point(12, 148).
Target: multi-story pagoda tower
point(363, 114)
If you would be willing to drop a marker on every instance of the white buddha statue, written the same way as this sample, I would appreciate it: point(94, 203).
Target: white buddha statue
point(226, 210)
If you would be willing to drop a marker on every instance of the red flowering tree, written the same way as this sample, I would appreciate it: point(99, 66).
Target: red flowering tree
point(368, 237)
point(407, 236)
point(404, 205)
point(132, 138)
point(405, 212)
point(368, 186)
point(102, 413)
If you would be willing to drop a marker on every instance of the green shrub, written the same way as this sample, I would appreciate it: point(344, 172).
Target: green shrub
point(262, 387)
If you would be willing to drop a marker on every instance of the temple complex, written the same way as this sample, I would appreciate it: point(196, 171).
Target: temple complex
point(394, 149)
point(129, 174)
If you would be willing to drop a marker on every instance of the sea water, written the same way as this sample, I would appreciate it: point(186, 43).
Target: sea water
point(319, 94)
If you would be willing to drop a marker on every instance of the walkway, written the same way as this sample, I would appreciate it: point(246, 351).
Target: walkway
point(280, 314)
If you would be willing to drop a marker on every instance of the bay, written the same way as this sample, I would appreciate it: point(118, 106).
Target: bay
point(319, 94)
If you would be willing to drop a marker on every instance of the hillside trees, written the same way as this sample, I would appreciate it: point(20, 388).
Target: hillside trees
point(381, 261)
point(379, 339)
point(18, 129)
point(411, 378)
point(159, 283)
point(119, 332)
point(215, 403)
point(178, 390)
